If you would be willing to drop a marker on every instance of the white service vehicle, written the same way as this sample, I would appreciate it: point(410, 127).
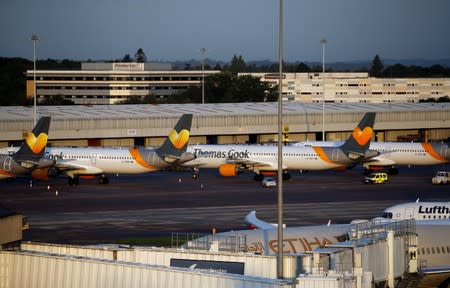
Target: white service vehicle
point(442, 177)
point(269, 182)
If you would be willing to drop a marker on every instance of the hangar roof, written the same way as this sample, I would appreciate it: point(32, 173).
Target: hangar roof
point(125, 121)
point(20, 113)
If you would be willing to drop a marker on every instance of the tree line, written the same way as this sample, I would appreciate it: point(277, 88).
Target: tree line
point(226, 86)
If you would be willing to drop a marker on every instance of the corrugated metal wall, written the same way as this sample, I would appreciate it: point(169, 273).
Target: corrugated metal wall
point(255, 265)
point(41, 270)
point(10, 229)
point(221, 119)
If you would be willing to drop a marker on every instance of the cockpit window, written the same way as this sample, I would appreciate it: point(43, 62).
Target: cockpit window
point(387, 215)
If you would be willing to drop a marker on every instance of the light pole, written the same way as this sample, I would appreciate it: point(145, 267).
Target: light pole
point(323, 42)
point(280, 269)
point(203, 50)
point(34, 38)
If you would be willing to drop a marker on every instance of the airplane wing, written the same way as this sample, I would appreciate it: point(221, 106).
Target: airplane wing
point(71, 166)
point(379, 161)
point(249, 164)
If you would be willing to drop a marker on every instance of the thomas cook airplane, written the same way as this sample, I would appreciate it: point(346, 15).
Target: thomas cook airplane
point(28, 158)
point(262, 160)
point(393, 154)
point(91, 162)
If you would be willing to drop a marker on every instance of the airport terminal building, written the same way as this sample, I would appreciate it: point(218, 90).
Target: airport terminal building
point(350, 87)
point(109, 83)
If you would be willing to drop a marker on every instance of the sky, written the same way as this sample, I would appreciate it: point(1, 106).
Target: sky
point(171, 30)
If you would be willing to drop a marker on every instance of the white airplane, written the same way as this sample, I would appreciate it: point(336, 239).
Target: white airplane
point(29, 157)
point(263, 160)
point(433, 246)
point(88, 162)
point(423, 211)
point(396, 153)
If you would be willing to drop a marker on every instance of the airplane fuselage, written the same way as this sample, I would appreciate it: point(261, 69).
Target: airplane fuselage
point(433, 240)
point(264, 157)
point(104, 160)
point(419, 210)
point(398, 153)
point(9, 168)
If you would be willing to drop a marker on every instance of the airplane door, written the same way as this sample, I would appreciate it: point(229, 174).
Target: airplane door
point(7, 164)
point(335, 155)
point(444, 150)
point(93, 158)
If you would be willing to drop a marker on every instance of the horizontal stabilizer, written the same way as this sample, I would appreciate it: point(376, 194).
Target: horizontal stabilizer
point(252, 219)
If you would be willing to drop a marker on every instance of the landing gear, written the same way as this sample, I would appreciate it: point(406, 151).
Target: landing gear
point(103, 180)
point(286, 175)
point(73, 180)
point(258, 177)
point(196, 173)
point(392, 171)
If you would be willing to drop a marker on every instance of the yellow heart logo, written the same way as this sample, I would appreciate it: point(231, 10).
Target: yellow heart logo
point(362, 137)
point(36, 144)
point(179, 139)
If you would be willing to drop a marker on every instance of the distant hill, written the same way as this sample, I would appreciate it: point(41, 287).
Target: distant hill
point(337, 66)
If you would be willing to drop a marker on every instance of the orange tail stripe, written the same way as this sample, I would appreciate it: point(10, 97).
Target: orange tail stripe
point(3, 172)
point(429, 149)
point(137, 156)
point(323, 156)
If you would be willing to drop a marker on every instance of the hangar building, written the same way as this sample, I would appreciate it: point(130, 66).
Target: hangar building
point(128, 125)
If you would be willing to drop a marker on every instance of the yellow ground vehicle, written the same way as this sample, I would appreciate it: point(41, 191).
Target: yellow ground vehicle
point(376, 178)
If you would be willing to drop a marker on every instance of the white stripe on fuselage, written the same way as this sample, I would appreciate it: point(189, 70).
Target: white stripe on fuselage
point(108, 160)
point(295, 158)
point(402, 153)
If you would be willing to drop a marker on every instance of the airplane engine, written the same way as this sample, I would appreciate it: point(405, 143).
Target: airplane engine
point(229, 170)
point(40, 174)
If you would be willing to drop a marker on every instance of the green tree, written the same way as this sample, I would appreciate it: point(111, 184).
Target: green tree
point(377, 67)
point(13, 81)
point(127, 58)
point(140, 56)
point(237, 64)
point(248, 88)
point(217, 88)
point(56, 100)
point(302, 67)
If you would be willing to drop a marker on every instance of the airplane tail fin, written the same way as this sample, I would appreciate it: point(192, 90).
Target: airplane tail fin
point(177, 141)
point(33, 145)
point(358, 143)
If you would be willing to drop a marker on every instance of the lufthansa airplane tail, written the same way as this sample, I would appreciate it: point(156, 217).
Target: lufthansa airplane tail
point(357, 145)
point(33, 146)
point(174, 147)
